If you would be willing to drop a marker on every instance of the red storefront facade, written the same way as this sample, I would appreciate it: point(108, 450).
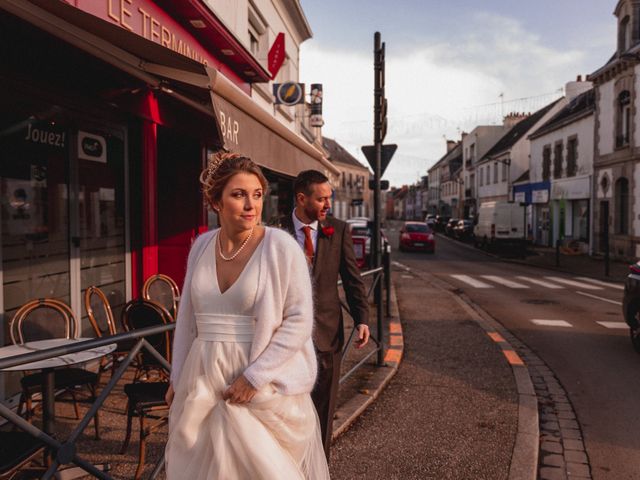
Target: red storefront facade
point(108, 111)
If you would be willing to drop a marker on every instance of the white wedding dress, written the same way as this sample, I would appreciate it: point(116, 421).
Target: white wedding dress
point(274, 436)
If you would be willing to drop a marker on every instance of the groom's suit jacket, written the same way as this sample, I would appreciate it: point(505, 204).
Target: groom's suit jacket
point(333, 259)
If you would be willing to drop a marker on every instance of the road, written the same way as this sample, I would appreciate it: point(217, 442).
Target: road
point(574, 325)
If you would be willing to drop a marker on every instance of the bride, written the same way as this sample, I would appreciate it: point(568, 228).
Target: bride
point(243, 359)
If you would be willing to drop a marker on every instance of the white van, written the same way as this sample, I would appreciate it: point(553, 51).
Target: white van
point(499, 222)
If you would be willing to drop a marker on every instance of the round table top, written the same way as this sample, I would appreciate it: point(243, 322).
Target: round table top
point(60, 361)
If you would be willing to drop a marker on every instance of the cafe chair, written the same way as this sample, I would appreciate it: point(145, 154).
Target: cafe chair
point(163, 290)
point(17, 450)
point(102, 320)
point(24, 326)
point(146, 398)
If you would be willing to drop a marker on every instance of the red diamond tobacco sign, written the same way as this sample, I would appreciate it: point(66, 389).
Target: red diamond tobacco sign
point(276, 55)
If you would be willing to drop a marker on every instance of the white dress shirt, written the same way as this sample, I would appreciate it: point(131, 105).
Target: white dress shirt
point(300, 233)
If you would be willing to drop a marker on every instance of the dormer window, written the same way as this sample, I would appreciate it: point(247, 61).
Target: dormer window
point(624, 35)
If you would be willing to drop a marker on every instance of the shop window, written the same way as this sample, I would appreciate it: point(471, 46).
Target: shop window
point(572, 157)
point(557, 160)
point(622, 206)
point(623, 127)
point(546, 162)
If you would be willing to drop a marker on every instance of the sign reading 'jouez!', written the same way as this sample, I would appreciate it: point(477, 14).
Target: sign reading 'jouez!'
point(146, 19)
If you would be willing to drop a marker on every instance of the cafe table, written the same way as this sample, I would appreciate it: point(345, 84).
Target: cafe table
point(49, 365)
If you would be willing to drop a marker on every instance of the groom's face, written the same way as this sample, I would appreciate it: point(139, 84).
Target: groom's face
point(317, 204)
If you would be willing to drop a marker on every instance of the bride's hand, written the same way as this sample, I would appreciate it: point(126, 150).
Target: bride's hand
point(168, 397)
point(240, 391)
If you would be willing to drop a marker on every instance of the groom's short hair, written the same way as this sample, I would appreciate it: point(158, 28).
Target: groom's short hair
point(304, 180)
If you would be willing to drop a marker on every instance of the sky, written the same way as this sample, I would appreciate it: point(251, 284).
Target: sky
point(450, 65)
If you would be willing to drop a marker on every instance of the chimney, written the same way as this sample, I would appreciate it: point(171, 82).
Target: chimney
point(451, 144)
point(573, 89)
point(513, 118)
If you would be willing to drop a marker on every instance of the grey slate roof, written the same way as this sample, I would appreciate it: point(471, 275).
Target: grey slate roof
point(336, 153)
point(519, 130)
point(583, 104)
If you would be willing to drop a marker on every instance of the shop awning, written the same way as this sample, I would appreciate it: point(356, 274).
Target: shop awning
point(236, 120)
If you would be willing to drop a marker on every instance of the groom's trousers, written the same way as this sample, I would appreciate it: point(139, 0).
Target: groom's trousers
point(325, 393)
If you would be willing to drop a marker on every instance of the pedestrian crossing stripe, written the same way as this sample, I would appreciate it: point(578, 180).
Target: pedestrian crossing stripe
point(551, 323)
point(574, 283)
point(614, 325)
point(504, 281)
point(471, 281)
point(603, 284)
point(541, 283)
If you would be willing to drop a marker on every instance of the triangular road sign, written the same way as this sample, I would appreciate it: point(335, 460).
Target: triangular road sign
point(387, 152)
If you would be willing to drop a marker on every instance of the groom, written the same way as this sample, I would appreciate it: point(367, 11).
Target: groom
point(329, 251)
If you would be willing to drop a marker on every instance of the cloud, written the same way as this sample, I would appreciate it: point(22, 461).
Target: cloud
point(438, 89)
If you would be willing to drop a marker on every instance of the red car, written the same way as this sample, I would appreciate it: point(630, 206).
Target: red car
point(417, 236)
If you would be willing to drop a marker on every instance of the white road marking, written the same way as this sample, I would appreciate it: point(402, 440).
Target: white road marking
point(599, 298)
point(573, 283)
point(400, 265)
point(542, 283)
point(603, 284)
point(620, 325)
point(551, 323)
point(474, 283)
point(406, 276)
point(504, 281)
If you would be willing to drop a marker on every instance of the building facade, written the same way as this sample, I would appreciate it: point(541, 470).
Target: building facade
point(352, 196)
point(616, 177)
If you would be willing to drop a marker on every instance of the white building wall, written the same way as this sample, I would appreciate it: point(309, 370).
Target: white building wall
point(606, 128)
point(273, 18)
point(584, 131)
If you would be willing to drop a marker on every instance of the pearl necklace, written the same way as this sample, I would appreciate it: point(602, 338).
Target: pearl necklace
point(228, 259)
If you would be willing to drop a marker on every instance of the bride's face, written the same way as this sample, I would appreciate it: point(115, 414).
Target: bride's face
point(240, 206)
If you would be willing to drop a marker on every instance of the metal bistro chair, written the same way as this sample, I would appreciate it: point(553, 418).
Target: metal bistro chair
point(146, 398)
point(68, 378)
point(17, 449)
point(163, 290)
point(102, 320)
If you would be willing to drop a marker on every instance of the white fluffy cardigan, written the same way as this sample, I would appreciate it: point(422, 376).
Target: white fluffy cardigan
point(282, 350)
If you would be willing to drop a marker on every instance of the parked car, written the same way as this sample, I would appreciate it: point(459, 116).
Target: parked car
point(417, 236)
point(430, 220)
point(362, 229)
point(448, 229)
point(441, 223)
point(463, 230)
point(631, 304)
point(499, 223)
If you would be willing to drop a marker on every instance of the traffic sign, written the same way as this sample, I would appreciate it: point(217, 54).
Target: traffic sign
point(387, 152)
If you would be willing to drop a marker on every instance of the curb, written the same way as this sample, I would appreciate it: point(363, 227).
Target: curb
point(524, 458)
point(353, 408)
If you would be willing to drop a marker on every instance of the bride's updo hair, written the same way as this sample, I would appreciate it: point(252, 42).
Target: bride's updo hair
point(220, 168)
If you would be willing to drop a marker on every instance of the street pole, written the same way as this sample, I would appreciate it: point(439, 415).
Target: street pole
point(378, 136)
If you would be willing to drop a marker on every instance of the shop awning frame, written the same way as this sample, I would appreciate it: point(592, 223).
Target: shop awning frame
point(158, 67)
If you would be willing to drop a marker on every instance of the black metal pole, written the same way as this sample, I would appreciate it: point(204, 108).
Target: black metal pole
point(378, 99)
point(558, 252)
point(605, 235)
point(387, 278)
